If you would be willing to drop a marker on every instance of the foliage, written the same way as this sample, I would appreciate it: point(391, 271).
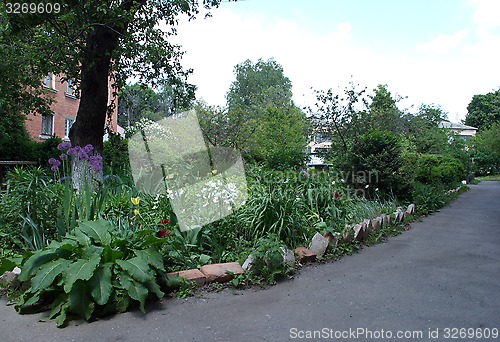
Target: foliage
point(383, 112)
point(336, 118)
point(115, 155)
point(258, 86)
point(188, 249)
point(267, 262)
point(438, 169)
point(378, 154)
point(94, 270)
point(424, 132)
point(483, 110)
point(485, 150)
point(91, 42)
point(141, 101)
point(29, 208)
point(279, 138)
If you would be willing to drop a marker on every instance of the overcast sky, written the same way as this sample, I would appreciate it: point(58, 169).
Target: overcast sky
point(432, 51)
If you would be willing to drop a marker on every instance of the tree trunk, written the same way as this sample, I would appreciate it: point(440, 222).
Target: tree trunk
point(91, 117)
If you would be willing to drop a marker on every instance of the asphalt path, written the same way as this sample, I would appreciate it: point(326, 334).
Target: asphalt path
point(439, 281)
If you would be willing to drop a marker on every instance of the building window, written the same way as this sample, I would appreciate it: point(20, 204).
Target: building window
point(70, 88)
point(67, 126)
point(47, 124)
point(50, 81)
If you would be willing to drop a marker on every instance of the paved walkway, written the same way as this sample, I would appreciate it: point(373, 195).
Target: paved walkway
point(443, 273)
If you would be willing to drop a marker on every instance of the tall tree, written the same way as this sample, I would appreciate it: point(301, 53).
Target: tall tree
point(384, 113)
point(258, 85)
point(483, 110)
point(138, 101)
point(93, 42)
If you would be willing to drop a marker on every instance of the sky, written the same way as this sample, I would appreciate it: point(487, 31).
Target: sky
point(440, 52)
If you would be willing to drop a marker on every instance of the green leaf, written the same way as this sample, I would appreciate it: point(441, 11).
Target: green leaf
point(47, 273)
point(57, 304)
point(80, 270)
point(155, 288)
point(35, 261)
point(137, 268)
point(152, 256)
point(7, 265)
point(61, 319)
point(110, 254)
point(97, 230)
point(137, 291)
point(80, 302)
point(101, 284)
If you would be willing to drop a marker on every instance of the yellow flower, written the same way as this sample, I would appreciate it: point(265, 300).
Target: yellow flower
point(214, 172)
point(135, 200)
point(136, 212)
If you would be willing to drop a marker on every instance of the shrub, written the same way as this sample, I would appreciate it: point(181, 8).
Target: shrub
point(379, 153)
point(436, 168)
point(115, 155)
point(95, 270)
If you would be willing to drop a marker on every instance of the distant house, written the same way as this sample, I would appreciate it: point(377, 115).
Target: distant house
point(65, 108)
point(463, 131)
point(318, 145)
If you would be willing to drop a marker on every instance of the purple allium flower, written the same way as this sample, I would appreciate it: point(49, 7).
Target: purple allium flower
point(63, 156)
point(64, 146)
point(88, 148)
point(54, 168)
point(72, 152)
point(82, 155)
point(54, 161)
point(95, 162)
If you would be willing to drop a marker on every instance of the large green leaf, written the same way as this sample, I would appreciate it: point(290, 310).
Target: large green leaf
point(97, 230)
point(80, 270)
point(47, 273)
point(135, 290)
point(110, 254)
point(137, 267)
point(152, 256)
point(80, 302)
point(155, 288)
point(101, 284)
point(35, 261)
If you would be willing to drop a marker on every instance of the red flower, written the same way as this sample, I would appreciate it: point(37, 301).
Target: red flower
point(162, 233)
point(165, 221)
point(336, 195)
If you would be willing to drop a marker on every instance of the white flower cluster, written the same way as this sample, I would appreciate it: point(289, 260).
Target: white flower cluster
point(218, 193)
point(151, 128)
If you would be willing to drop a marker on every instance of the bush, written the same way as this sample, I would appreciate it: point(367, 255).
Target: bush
point(95, 270)
point(378, 153)
point(438, 169)
point(115, 155)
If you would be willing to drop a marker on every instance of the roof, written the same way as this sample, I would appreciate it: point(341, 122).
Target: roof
point(456, 126)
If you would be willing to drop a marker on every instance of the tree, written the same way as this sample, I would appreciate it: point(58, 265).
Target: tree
point(258, 85)
point(280, 138)
point(337, 118)
point(485, 149)
point(93, 42)
point(483, 110)
point(384, 113)
point(423, 130)
point(138, 101)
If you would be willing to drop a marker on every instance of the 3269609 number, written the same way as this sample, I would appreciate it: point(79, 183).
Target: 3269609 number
point(32, 7)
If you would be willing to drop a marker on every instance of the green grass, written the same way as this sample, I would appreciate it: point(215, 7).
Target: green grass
point(489, 178)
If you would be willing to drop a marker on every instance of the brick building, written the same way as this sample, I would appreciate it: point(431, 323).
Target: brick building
point(65, 107)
